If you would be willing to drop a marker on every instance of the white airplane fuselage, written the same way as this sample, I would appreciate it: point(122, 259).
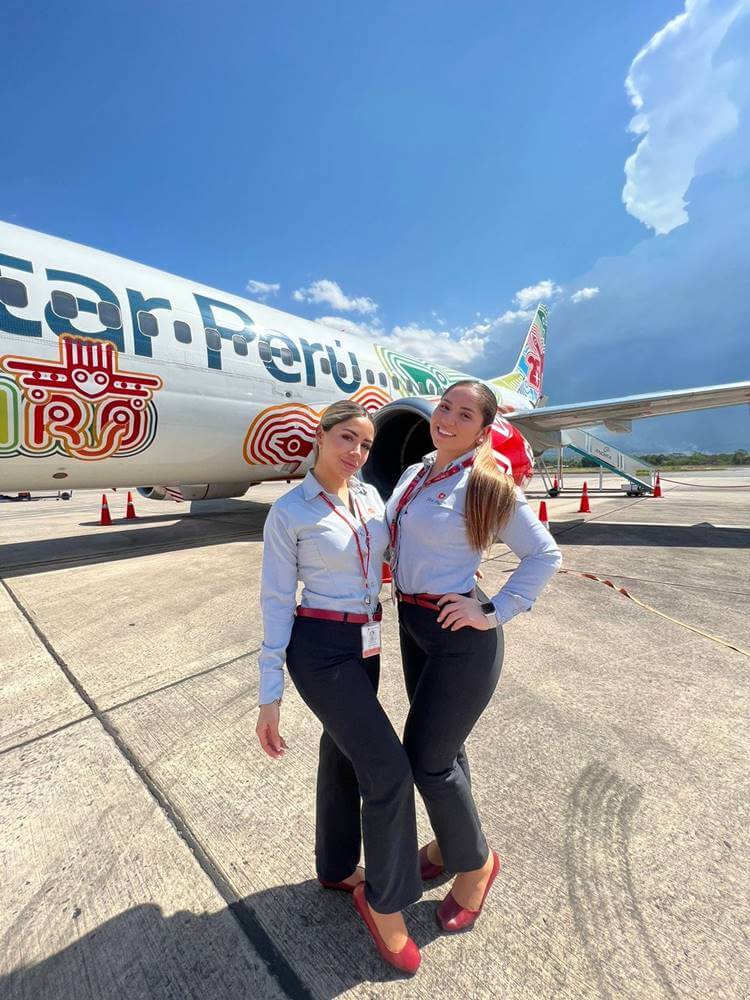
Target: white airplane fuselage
point(136, 377)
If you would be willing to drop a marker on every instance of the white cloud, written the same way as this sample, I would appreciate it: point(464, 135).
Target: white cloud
point(513, 316)
point(330, 292)
point(583, 294)
point(529, 296)
point(417, 341)
point(435, 345)
point(683, 97)
point(262, 289)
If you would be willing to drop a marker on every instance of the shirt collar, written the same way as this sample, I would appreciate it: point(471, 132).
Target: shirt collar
point(311, 488)
point(429, 460)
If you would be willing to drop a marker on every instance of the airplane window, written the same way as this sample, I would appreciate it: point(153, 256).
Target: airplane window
point(341, 369)
point(286, 356)
point(264, 351)
point(148, 324)
point(370, 376)
point(325, 366)
point(395, 382)
point(382, 379)
point(240, 344)
point(356, 373)
point(410, 387)
point(213, 340)
point(182, 332)
point(109, 315)
point(13, 293)
point(64, 305)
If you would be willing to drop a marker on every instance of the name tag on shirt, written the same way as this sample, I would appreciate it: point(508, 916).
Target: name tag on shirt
point(371, 639)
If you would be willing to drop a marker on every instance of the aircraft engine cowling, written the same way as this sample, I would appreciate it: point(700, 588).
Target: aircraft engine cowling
point(194, 491)
point(403, 437)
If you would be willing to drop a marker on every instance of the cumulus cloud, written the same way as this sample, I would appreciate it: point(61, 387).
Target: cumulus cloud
point(262, 289)
point(529, 296)
point(454, 349)
point(331, 294)
point(583, 294)
point(668, 320)
point(436, 345)
point(512, 316)
point(684, 97)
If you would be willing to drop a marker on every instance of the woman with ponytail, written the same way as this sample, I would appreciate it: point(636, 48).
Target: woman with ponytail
point(444, 513)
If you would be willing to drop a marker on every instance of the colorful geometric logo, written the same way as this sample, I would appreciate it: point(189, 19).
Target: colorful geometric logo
point(284, 434)
point(280, 435)
point(83, 406)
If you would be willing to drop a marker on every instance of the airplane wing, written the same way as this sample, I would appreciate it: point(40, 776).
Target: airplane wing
point(617, 413)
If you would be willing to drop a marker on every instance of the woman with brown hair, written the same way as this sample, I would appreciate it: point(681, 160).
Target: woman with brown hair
point(330, 533)
point(444, 513)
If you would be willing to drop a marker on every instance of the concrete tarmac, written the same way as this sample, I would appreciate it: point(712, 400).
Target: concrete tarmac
point(149, 849)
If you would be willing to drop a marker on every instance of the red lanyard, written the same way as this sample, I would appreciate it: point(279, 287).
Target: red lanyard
point(365, 564)
point(411, 491)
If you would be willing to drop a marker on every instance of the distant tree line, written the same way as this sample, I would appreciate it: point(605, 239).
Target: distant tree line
point(739, 457)
point(664, 460)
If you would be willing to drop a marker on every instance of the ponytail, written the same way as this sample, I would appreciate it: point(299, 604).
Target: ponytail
point(490, 496)
point(490, 492)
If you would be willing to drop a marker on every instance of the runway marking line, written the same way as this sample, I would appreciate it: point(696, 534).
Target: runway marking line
point(278, 965)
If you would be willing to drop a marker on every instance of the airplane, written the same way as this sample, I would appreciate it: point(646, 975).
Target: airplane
point(113, 374)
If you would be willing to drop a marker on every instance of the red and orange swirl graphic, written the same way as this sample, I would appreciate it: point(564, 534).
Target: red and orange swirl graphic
point(285, 433)
point(372, 397)
point(281, 434)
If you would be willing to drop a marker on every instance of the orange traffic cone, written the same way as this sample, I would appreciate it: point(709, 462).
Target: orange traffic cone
point(130, 514)
point(105, 517)
point(543, 514)
point(657, 487)
point(554, 485)
point(387, 575)
point(585, 507)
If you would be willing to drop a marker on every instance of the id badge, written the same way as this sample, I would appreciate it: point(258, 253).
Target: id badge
point(371, 639)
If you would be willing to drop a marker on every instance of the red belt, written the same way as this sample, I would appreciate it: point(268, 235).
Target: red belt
point(428, 601)
point(339, 616)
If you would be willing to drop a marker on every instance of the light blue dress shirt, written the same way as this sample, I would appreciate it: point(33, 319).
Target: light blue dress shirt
point(433, 555)
point(303, 539)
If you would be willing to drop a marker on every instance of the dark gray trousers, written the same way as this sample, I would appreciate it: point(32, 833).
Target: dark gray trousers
point(450, 678)
point(360, 755)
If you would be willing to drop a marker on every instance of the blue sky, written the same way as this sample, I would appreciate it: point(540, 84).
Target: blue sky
point(415, 168)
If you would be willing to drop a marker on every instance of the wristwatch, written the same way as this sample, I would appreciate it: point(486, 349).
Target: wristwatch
point(489, 612)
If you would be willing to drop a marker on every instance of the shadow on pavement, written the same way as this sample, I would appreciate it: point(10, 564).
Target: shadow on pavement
point(151, 535)
point(705, 535)
point(141, 953)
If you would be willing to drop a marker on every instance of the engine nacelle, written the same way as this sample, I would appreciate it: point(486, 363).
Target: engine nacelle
point(194, 491)
point(403, 437)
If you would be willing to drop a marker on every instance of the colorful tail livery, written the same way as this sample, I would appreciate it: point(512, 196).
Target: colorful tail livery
point(526, 377)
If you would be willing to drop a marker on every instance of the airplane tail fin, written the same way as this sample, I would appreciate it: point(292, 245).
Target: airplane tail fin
point(526, 377)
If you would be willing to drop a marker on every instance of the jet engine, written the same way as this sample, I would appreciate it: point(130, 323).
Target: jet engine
point(194, 491)
point(403, 437)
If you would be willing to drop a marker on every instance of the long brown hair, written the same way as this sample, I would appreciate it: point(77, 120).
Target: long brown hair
point(338, 413)
point(490, 493)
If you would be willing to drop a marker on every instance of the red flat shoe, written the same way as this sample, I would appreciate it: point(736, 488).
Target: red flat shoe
point(451, 917)
point(407, 959)
point(341, 886)
point(428, 869)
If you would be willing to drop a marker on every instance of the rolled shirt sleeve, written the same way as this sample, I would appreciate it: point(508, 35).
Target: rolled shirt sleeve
point(540, 557)
point(278, 591)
